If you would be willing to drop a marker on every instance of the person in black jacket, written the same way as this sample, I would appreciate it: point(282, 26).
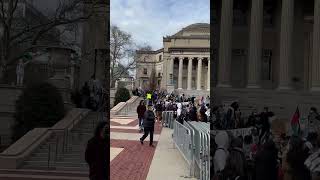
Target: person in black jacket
point(96, 154)
point(296, 157)
point(193, 113)
point(266, 162)
point(148, 124)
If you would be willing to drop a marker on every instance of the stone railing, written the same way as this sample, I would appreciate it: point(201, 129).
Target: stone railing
point(9, 95)
point(14, 156)
point(123, 108)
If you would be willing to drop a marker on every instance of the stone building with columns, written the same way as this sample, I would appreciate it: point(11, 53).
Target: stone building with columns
point(183, 64)
point(267, 54)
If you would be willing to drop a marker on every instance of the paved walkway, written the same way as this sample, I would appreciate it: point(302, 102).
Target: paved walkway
point(129, 160)
point(167, 162)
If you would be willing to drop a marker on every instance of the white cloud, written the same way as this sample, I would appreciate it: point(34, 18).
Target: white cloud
point(149, 20)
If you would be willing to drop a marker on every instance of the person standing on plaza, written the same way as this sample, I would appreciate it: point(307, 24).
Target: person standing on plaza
point(313, 120)
point(266, 166)
point(148, 124)
point(149, 97)
point(141, 109)
point(193, 113)
point(20, 71)
point(293, 160)
point(231, 116)
point(221, 154)
point(159, 109)
point(96, 154)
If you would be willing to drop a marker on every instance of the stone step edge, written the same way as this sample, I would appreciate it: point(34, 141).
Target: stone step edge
point(31, 172)
point(40, 177)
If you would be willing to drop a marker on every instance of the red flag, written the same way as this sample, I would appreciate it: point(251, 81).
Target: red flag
point(295, 117)
point(295, 124)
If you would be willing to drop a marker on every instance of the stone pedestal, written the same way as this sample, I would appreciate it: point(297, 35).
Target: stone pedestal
point(60, 58)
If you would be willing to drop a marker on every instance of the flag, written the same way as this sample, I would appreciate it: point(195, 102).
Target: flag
point(295, 124)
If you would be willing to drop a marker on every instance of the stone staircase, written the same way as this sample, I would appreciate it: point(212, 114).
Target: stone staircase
point(68, 157)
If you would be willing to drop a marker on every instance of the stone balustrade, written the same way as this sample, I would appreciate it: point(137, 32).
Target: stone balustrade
point(125, 107)
point(14, 156)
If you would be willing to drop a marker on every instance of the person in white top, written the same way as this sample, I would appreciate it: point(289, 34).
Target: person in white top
point(221, 154)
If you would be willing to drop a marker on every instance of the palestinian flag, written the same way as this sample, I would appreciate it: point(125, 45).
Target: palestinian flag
point(295, 123)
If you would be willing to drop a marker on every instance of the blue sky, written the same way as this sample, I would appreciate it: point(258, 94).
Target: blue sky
point(149, 20)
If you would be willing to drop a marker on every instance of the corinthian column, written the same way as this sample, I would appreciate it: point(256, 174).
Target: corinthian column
point(171, 63)
point(208, 75)
point(189, 73)
point(225, 44)
point(180, 72)
point(287, 16)
point(255, 48)
point(199, 73)
point(315, 85)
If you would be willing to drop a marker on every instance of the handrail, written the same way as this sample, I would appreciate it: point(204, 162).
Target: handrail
point(47, 130)
point(49, 152)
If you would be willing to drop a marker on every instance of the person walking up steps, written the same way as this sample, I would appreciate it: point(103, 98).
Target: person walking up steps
point(148, 124)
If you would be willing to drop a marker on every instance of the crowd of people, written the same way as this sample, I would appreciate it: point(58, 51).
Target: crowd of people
point(91, 95)
point(261, 154)
point(185, 108)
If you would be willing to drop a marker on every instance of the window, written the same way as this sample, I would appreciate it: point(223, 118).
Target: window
point(145, 71)
point(160, 57)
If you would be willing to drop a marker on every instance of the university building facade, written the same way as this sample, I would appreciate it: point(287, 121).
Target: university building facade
point(183, 64)
point(266, 53)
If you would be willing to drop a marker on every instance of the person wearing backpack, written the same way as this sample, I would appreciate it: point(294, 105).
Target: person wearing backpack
point(236, 166)
point(221, 154)
point(148, 124)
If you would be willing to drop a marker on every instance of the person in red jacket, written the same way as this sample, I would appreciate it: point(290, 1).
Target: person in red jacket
point(141, 109)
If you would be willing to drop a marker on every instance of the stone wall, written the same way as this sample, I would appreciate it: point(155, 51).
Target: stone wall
point(112, 96)
point(8, 96)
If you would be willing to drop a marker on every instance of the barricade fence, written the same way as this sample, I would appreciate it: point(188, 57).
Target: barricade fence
point(167, 119)
point(192, 139)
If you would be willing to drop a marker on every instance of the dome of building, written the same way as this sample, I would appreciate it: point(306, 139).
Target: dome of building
point(194, 29)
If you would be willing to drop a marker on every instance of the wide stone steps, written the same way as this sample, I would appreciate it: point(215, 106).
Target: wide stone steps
point(43, 174)
point(27, 172)
point(72, 158)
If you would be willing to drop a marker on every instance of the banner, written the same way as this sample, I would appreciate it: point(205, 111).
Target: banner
point(236, 132)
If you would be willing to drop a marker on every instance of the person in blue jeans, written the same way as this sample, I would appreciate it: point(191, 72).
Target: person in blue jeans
point(141, 109)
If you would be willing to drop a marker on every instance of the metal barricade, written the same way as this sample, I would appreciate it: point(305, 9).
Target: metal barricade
point(202, 149)
point(192, 139)
point(182, 137)
point(167, 118)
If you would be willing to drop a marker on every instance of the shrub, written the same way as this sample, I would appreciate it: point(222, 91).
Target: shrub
point(122, 95)
point(39, 105)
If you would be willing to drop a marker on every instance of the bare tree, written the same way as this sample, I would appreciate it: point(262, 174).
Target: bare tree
point(121, 54)
point(21, 34)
